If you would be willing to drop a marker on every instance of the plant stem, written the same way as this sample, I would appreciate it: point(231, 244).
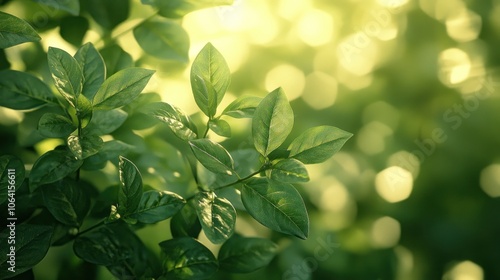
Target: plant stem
point(241, 180)
point(207, 129)
point(101, 223)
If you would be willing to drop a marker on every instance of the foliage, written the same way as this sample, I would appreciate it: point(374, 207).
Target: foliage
point(90, 108)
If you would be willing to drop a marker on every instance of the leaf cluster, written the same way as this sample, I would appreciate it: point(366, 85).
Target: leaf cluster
point(93, 106)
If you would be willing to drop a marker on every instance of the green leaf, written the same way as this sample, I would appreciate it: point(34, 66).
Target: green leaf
point(289, 171)
point(217, 216)
point(15, 31)
point(32, 244)
point(272, 122)
point(93, 68)
point(179, 8)
point(185, 223)
point(71, 6)
point(116, 59)
point(121, 88)
point(108, 13)
point(157, 206)
point(163, 39)
point(66, 73)
point(130, 193)
point(110, 150)
point(318, 144)
point(106, 121)
point(212, 155)
point(21, 91)
point(51, 167)
point(73, 29)
point(66, 201)
point(55, 125)
point(242, 107)
point(186, 258)
point(220, 127)
point(180, 123)
point(116, 247)
point(84, 146)
point(210, 78)
point(278, 206)
point(11, 177)
point(245, 255)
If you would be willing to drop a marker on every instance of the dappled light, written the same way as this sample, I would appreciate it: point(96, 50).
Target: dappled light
point(394, 184)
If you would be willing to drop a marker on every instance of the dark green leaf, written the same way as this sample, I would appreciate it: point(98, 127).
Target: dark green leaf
point(179, 8)
point(73, 29)
point(116, 59)
point(66, 73)
point(220, 127)
point(180, 124)
point(71, 6)
point(289, 171)
point(106, 121)
point(130, 193)
point(55, 125)
point(108, 13)
point(213, 156)
point(242, 107)
point(121, 88)
point(15, 31)
point(93, 68)
point(185, 223)
point(116, 247)
point(20, 91)
point(278, 206)
point(32, 244)
point(186, 258)
point(217, 216)
point(163, 39)
point(84, 146)
point(210, 78)
point(317, 144)
point(272, 122)
point(66, 201)
point(51, 167)
point(157, 206)
point(11, 177)
point(245, 255)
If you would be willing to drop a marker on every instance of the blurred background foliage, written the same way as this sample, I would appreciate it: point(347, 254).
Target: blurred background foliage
point(413, 195)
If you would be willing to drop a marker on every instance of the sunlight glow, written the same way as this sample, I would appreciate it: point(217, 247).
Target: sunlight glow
point(465, 270)
point(490, 180)
point(320, 90)
point(372, 136)
point(334, 197)
point(287, 76)
point(455, 66)
point(441, 9)
point(385, 232)
point(291, 9)
point(315, 28)
point(394, 184)
point(358, 53)
point(464, 26)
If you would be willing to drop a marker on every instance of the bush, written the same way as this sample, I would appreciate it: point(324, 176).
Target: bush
point(94, 119)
